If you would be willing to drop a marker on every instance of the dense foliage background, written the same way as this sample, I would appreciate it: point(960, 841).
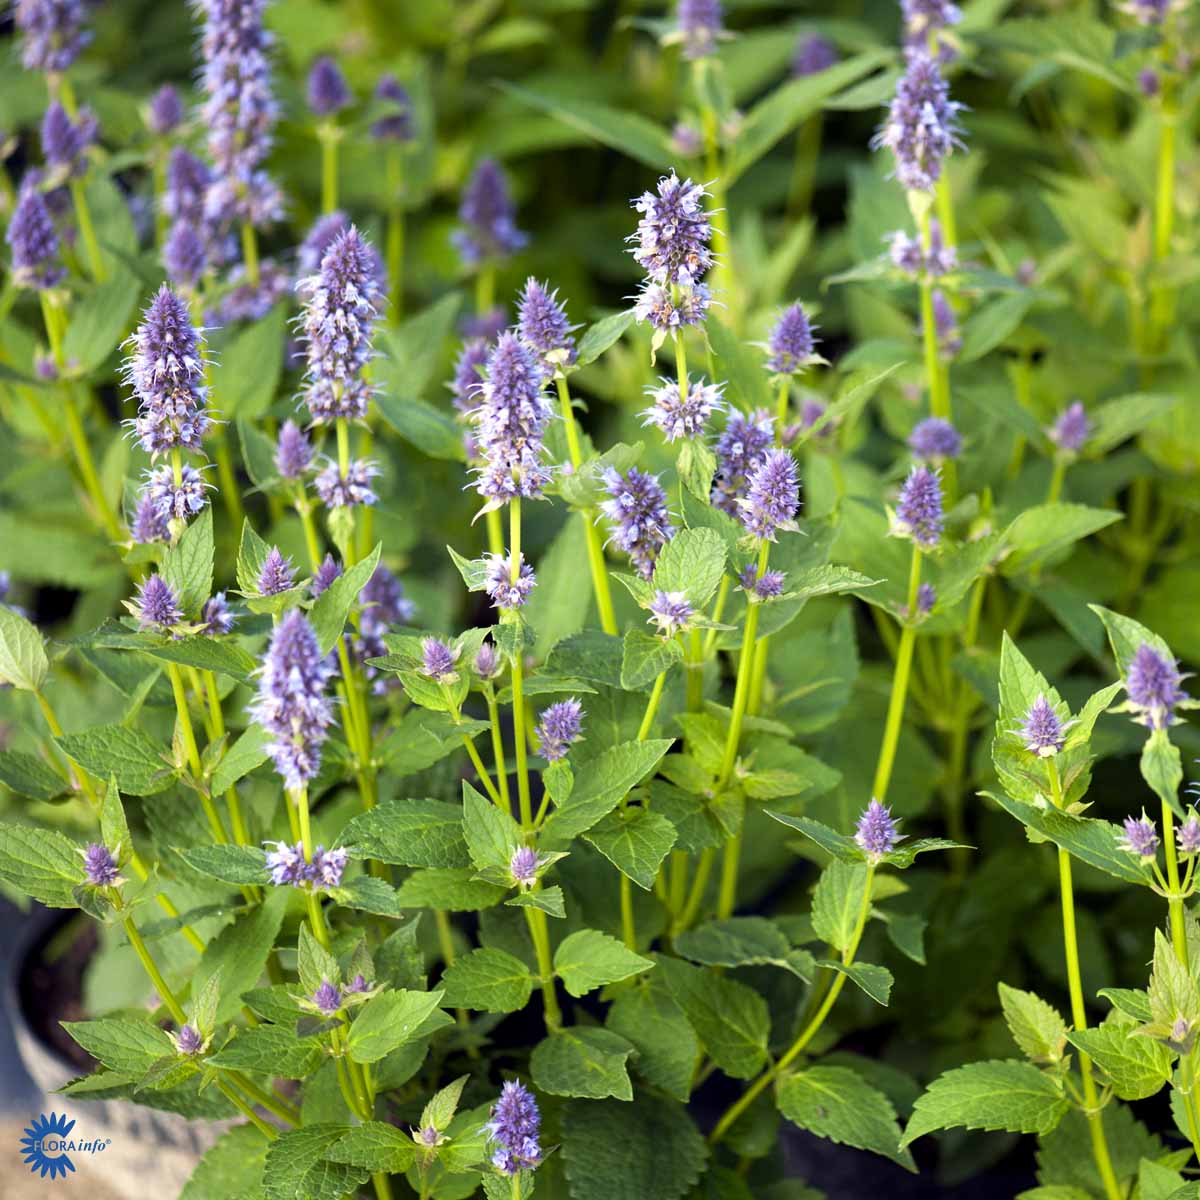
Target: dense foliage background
point(1076, 283)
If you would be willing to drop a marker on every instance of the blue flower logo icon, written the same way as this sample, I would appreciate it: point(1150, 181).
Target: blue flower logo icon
point(40, 1145)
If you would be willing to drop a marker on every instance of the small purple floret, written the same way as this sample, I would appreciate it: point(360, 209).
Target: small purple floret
point(1072, 428)
point(327, 998)
point(636, 509)
point(773, 495)
point(328, 92)
point(682, 411)
point(1042, 730)
point(1141, 838)
point(157, 606)
point(671, 612)
point(513, 1130)
point(559, 727)
point(877, 832)
point(919, 509)
point(99, 866)
point(524, 865)
point(500, 585)
point(935, 440)
point(438, 660)
point(1152, 682)
point(791, 344)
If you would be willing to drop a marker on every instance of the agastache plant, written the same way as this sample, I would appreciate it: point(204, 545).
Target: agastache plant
point(449, 844)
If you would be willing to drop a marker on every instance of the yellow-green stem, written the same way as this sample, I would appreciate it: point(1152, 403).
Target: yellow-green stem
point(250, 253)
point(87, 230)
point(499, 761)
point(328, 137)
point(900, 677)
point(540, 933)
point(518, 683)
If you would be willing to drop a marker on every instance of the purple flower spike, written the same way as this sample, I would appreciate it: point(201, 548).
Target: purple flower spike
point(699, 27)
point(506, 593)
point(438, 660)
point(291, 704)
point(165, 113)
point(329, 570)
point(510, 424)
point(919, 510)
point(467, 383)
point(328, 92)
point(682, 411)
point(1152, 684)
point(791, 344)
point(668, 309)
point(148, 524)
point(1189, 835)
point(487, 215)
point(157, 606)
point(740, 449)
point(1141, 838)
point(1042, 730)
point(773, 496)
point(293, 451)
point(383, 604)
point(345, 491)
point(34, 242)
point(877, 832)
point(166, 370)
point(276, 574)
point(177, 501)
point(184, 255)
point(686, 140)
point(636, 509)
point(935, 440)
point(523, 866)
point(340, 303)
point(924, 21)
point(487, 664)
point(672, 240)
point(1072, 429)
point(217, 618)
point(543, 326)
point(99, 867)
point(769, 587)
point(358, 985)
point(922, 124)
point(671, 612)
point(286, 864)
point(239, 111)
point(513, 1130)
point(559, 728)
point(327, 998)
point(188, 1041)
point(65, 142)
point(812, 55)
point(327, 867)
point(188, 181)
point(396, 125)
point(52, 33)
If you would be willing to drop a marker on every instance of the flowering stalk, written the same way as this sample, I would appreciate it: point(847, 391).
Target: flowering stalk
point(1078, 1010)
point(216, 824)
point(810, 1030)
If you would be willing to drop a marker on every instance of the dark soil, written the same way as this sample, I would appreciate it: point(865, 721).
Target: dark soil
point(50, 986)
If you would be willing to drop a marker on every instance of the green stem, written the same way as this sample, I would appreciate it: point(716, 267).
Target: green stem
point(250, 253)
point(540, 933)
point(395, 234)
point(87, 230)
point(518, 688)
point(499, 762)
point(481, 771)
point(900, 677)
point(651, 707)
point(232, 1096)
point(328, 137)
point(810, 1030)
point(696, 892)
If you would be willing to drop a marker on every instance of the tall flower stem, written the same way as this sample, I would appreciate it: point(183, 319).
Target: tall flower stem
point(727, 896)
point(1078, 1011)
point(236, 816)
point(939, 397)
point(328, 136)
point(810, 1030)
point(900, 678)
point(52, 318)
point(540, 933)
point(1164, 213)
point(192, 751)
point(250, 253)
point(499, 761)
point(518, 683)
point(595, 552)
point(87, 230)
point(395, 234)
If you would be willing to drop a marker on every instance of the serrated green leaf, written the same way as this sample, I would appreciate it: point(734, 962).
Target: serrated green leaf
point(644, 657)
point(409, 833)
point(873, 979)
point(491, 835)
point(635, 841)
point(130, 755)
point(1036, 1026)
point(298, 1165)
point(269, 1050)
point(188, 564)
point(838, 901)
point(451, 889)
point(582, 1061)
point(228, 863)
point(232, 1168)
point(130, 1047)
point(487, 980)
point(245, 755)
point(390, 1020)
point(28, 775)
point(589, 959)
point(1137, 1066)
point(41, 863)
point(328, 615)
point(693, 561)
point(239, 953)
point(667, 1046)
point(603, 334)
point(23, 662)
point(375, 1146)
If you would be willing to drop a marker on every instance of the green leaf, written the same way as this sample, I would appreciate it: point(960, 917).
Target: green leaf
point(28, 775)
point(629, 133)
point(245, 755)
point(873, 979)
point(23, 662)
point(239, 953)
point(229, 863)
point(647, 1150)
point(252, 551)
point(188, 565)
point(1162, 769)
point(432, 430)
point(451, 889)
point(731, 1019)
point(839, 845)
point(328, 616)
point(414, 351)
point(206, 654)
point(589, 959)
point(1173, 991)
point(838, 900)
point(645, 657)
point(375, 1146)
point(491, 835)
point(41, 863)
point(838, 1104)
point(1044, 532)
point(488, 980)
point(550, 900)
point(693, 561)
point(440, 1110)
point(368, 894)
point(1137, 1066)
point(1117, 420)
point(409, 833)
point(602, 335)
point(233, 1167)
point(989, 1095)
point(992, 323)
point(601, 784)
point(743, 942)
point(270, 1050)
point(131, 1047)
point(1090, 840)
point(635, 841)
point(298, 1166)
point(391, 1020)
point(99, 322)
point(582, 1061)
point(245, 372)
point(314, 964)
point(668, 1049)
point(1132, 1003)
point(1036, 1026)
point(130, 755)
